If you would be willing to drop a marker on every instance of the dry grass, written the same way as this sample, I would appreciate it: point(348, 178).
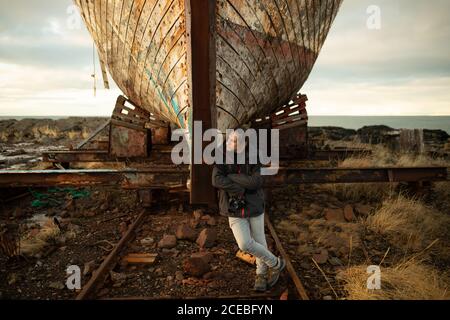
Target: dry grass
point(381, 157)
point(408, 223)
point(442, 189)
point(33, 244)
point(411, 280)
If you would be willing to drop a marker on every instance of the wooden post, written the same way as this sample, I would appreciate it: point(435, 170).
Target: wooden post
point(201, 34)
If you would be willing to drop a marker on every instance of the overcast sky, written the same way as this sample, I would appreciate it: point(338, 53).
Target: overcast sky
point(403, 68)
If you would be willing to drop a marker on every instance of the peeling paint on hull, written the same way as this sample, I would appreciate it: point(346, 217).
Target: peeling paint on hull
point(266, 50)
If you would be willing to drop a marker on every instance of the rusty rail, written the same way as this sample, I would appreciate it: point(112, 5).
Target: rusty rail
point(289, 267)
point(296, 176)
point(100, 274)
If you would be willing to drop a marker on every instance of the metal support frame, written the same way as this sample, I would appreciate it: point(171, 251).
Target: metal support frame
point(169, 177)
point(201, 33)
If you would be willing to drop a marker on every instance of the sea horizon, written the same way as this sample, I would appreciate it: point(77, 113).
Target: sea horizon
point(349, 122)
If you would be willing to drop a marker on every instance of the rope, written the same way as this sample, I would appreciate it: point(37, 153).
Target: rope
point(94, 75)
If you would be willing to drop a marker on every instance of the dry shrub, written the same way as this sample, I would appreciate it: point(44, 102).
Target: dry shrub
point(409, 160)
point(411, 280)
point(380, 157)
point(362, 191)
point(442, 189)
point(33, 244)
point(408, 223)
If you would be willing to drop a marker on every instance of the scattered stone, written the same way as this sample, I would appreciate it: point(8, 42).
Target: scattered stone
point(179, 276)
point(57, 285)
point(207, 238)
point(185, 232)
point(322, 257)
point(195, 266)
point(118, 278)
point(147, 241)
point(348, 213)
point(213, 275)
point(211, 221)
point(168, 242)
point(327, 298)
point(204, 255)
point(336, 215)
point(159, 272)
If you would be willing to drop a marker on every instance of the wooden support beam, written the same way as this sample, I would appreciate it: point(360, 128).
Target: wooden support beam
point(201, 43)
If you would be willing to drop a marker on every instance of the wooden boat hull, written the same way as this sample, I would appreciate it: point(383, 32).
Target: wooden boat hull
point(265, 51)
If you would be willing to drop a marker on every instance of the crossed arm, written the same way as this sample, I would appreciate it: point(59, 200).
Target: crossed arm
point(237, 184)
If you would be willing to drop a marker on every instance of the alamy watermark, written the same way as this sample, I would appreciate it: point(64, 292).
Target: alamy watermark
point(255, 142)
point(374, 19)
point(374, 280)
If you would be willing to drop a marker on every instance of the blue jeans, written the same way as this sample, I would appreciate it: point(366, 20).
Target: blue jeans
point(251, 238)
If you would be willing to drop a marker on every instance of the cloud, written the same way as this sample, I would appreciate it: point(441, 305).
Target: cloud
point(382, 72)
point(403, 68)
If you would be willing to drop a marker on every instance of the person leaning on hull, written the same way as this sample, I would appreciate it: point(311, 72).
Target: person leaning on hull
point(241, 199)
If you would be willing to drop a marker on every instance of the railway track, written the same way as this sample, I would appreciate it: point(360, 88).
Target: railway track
point(99, 276)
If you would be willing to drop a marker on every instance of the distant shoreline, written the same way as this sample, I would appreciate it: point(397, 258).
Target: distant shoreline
point(347, 122)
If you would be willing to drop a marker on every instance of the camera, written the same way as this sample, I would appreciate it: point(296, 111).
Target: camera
point(236, 204)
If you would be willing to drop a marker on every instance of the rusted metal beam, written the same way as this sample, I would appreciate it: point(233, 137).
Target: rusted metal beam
point(68, 156)
point(201, 43)
point(296, 176)
point(289, 267)
point(107, 265)
point(158, 177)
point(337, 154)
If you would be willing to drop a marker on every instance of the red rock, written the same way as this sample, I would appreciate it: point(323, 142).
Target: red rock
point(348, 213)
point(211, 221)
point(207, 238)
point(196, 267)
point(206, 256)
point(321, 257)
point(168, 242)
point(185, 232)
point(336, 215)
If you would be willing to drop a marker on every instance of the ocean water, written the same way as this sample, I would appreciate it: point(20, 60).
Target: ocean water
point(349, 122)
point(396, 122)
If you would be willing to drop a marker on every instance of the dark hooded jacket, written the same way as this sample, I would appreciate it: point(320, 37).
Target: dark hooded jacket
point(239, 180)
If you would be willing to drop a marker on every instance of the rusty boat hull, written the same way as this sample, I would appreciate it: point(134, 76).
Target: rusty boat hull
point(265, 51)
